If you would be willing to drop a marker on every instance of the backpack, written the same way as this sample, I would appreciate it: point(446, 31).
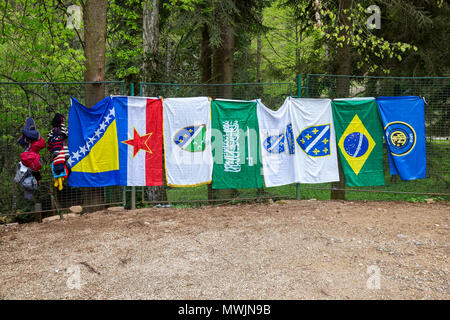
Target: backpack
point(31, 159)
point(25, 178)
point(21, 173)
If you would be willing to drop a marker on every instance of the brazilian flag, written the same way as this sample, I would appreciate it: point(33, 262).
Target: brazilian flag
point(359, 134)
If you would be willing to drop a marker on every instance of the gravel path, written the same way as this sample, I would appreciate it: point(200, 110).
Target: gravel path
point(283, 250)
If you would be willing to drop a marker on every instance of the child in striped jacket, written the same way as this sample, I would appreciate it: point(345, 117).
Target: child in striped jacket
point(59, 150)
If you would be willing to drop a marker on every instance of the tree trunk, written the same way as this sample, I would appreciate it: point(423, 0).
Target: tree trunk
point(344, 67)
point(205, 56)
point(217, 71)
point(297, 49)
point(94, 17)
point(205, 65)
point(150, 38)
point(227, 56)
point(169, 45)
point(258, 59)
point(258, 43)
point(150, 45)
point(223, 72)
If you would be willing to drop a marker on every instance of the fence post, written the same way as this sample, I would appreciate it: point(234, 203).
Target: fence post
point(307, 86)
point(298, 194)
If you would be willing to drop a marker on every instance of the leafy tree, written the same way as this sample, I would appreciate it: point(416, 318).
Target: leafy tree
point(36, 44)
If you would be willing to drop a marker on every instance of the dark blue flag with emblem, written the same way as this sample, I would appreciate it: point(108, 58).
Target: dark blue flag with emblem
point(404, 129)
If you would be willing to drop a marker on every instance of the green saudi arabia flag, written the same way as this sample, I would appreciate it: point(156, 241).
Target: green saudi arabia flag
point(359, 134)
point(235, 142)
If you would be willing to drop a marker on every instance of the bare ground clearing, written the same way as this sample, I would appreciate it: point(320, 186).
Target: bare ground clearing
point(285, 250)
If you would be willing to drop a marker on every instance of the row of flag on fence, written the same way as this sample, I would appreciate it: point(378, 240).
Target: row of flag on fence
point(238, 144)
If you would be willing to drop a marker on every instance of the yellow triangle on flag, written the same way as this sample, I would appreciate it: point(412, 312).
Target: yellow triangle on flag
point(104, 155)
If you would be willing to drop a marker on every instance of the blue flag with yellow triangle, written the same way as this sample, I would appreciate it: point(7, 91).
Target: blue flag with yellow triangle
point(93, 144)
point(404, 128)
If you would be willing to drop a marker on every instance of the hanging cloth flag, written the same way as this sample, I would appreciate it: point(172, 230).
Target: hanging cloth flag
point(187, 141)
point(359, 134)
point(235, 144)
point(404, 128)
point(298, 143)
point(313, 127)
point(277, 145)
point(116, 142)
point(93, 145)
point(140, 136)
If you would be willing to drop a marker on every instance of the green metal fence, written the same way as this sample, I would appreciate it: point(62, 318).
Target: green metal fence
point(271, 94)
point(41, 100)
point(436, 91)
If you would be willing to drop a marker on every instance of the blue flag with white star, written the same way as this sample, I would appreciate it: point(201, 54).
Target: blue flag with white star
point(404, 129)
point(93, 145)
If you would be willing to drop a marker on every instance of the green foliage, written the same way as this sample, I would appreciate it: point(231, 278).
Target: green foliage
point(371, 49)
point(290, 44)
point(35, 43)
point(425, 27)
point(124, 39)
point(423, 199)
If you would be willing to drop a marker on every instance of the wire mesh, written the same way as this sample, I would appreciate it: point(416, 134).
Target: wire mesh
point(41, 101)
point(271, 94)
point(436, 91)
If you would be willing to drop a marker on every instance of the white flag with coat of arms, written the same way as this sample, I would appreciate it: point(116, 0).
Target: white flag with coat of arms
point(298, 142)
point(187, 141)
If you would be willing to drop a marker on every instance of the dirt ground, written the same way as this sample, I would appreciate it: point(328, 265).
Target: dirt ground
point(284, 250)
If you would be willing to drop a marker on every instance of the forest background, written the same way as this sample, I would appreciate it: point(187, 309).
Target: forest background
point(212, 41)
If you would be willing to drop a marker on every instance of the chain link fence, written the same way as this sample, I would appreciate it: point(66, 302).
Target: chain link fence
point(271, 94)
point(436, 91)
point(41, 101)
